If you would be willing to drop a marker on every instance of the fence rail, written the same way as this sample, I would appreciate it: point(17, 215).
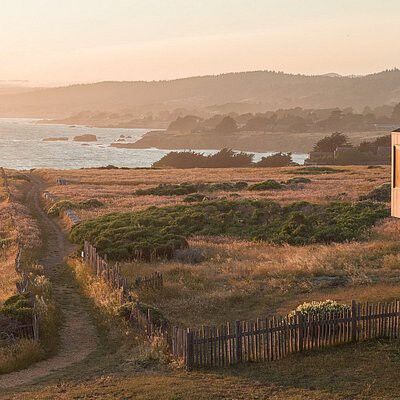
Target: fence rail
point(9, 334)
point(112, 273)
point(274, 338)
point(266, 339)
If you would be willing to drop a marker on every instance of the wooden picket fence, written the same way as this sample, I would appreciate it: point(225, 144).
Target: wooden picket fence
point(9, 334)
point(111, 273)
point(266, 339)
point(274, 338)
point(175, 337)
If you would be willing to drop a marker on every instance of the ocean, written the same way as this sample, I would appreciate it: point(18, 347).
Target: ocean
point(22, 147)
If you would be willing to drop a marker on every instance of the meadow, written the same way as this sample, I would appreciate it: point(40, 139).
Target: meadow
point(220, 278)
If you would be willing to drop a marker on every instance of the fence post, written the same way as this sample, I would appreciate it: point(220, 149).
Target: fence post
point(189, 350)
point(300, 324)
point(238, 335)
point(35, 328)
point(353, 320)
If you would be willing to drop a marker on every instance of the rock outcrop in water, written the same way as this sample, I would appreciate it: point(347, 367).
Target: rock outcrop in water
point(85, 138)
point(55, 139)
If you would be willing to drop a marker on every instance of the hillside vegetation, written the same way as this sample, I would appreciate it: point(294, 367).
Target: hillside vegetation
point(158, 232)
point(265, 89)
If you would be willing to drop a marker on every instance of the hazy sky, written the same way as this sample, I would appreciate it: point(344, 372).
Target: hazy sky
point(65, 41)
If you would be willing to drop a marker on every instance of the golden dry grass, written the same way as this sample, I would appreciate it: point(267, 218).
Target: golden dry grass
point(18, 355)
point(241, 279)
point(115, 187)
point(17, 228)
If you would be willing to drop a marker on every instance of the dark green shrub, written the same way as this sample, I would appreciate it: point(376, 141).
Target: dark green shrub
point(276, 160)
point(225, 158)
point(316, 171)
point(297, 180)
point(18, 307)
point(381, 193)
point(167, 189)
point(267, 185)
point(159, 232)
point(60, 206)
point(89, 204)
point(193, 198)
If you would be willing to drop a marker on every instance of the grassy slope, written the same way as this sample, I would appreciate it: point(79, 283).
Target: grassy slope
point(267, 279)
point(364, 371)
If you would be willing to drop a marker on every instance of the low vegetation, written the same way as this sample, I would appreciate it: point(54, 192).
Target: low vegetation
point(158, 232)
point(266, 185)
point(316, 170)
point(19, 355)
point(189, 188)
point(60, 206)
point(320, 308)
point(226, 158)
point(381, 193)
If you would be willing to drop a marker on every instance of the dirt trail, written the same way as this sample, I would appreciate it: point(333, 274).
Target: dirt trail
point(78, 336)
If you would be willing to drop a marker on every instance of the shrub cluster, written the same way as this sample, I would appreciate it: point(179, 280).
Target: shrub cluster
point(195, 197)
point(266, 185)
point(381, 193)
point(297, 180)
point(18, 308)
point(60, 206)
point(226, 158)
point(316, 171)
point(166, 189)
point(158, 232)
point(320, 308)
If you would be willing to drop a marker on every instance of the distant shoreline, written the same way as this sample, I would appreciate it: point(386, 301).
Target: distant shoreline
point(242, 141)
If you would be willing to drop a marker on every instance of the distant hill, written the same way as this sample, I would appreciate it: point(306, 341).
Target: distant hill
point(255, 90)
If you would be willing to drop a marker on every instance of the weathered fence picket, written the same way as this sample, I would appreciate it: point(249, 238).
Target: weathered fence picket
point(111, 273)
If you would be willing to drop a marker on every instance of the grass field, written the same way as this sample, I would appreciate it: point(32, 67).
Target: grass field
point(115, 188)
point(219, 279)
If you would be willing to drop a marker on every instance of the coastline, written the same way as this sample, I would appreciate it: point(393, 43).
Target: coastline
point(259, 142)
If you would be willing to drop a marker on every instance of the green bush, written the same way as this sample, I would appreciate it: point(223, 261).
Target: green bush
point(381, 193)
point(267, 185)
point(89, 204)
point(297, 180)
point(320, 308)
point(193, 198)
point(167, 189)
point(225, 158)
point(158, 232)
point(60, 206)
point(18, 307)
point(276, 160)
point(316, 171)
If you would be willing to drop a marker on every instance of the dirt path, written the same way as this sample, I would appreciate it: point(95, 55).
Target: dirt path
point(78, 336)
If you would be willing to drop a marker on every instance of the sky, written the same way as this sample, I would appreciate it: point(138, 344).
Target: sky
point(59, 42)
